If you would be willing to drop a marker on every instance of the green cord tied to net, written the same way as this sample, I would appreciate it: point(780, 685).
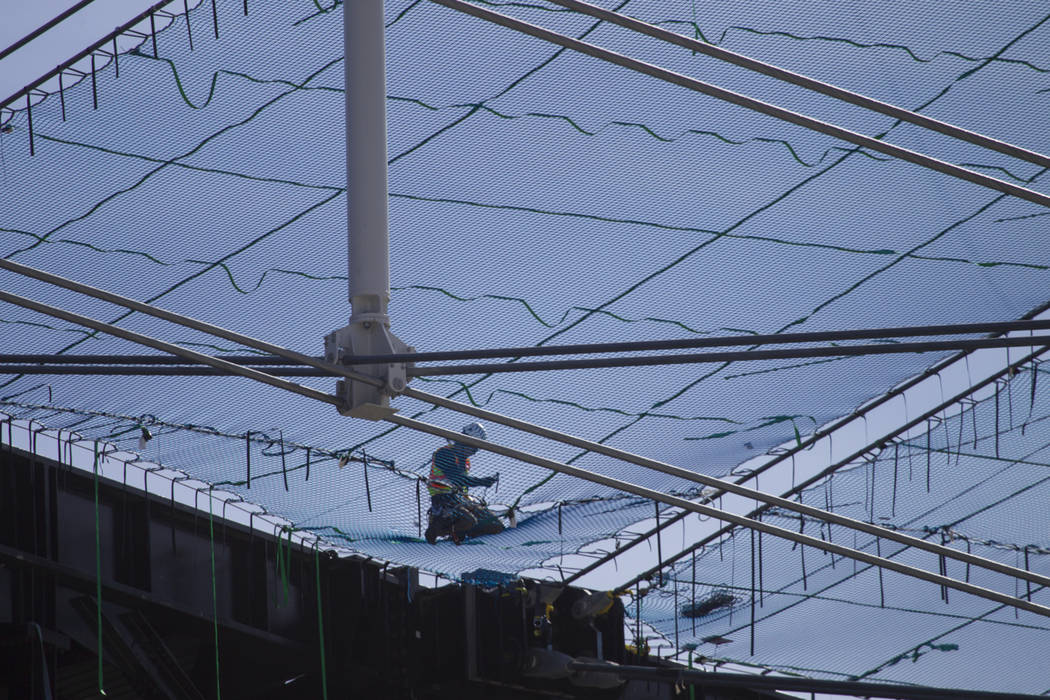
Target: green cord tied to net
point(284, 565)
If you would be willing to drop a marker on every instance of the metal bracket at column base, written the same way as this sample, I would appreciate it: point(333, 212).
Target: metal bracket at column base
point(367, 334)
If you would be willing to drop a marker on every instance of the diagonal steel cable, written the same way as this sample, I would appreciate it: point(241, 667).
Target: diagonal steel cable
point(823, 88)
point(738, 99)
point(451, 404)
point(739, 520)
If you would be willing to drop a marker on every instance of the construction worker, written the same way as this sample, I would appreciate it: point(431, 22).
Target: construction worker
point(452, 511)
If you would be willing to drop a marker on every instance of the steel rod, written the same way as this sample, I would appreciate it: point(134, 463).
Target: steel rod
point(152, 366)
point(50, 24)
point(29, 359)
point(749, 103)
point(145, 14)
point(731, 356)
point(433, 399)
point(579, 349)
point(166, 347)
point(743, 681)
point(652, 494)
point(186, 321)
point(806, 82)
point(841, 463)
point(194, 370)
point(725, 486)
point(713, 342)
point(806, 443)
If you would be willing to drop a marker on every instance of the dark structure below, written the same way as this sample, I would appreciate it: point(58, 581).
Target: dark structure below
point(193, 606)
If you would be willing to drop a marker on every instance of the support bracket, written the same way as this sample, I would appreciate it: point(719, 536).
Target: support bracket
point(367, 334)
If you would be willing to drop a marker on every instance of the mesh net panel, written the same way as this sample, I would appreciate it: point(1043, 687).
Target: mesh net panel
point(537, 197)
point(975, 480)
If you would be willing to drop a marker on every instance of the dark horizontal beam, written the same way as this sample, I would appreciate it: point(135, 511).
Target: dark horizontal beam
point(161, 371)
point(589, 363)
point(857, 138)
point(803, 81)
point(715, 342)
point(54, 22)
point(707, 679)
point(581, 349)
point(734, 356)
point(29, 359)
point(5, 104)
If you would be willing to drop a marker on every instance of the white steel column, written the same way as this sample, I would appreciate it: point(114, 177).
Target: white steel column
point(367, 228)
point(366, 200)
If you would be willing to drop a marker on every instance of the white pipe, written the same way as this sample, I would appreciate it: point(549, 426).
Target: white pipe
point(366, 199)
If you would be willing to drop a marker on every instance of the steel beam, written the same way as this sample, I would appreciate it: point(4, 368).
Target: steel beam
point(740, 100)
point(806, 82)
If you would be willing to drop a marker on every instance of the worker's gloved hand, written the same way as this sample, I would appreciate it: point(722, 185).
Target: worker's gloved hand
point(488, 481)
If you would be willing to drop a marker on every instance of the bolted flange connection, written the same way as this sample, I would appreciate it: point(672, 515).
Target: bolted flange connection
point(367, 334)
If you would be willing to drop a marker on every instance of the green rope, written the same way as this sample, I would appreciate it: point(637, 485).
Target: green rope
point(214, 598)
point(320, 623)
point(284, 564)
point(98, 574)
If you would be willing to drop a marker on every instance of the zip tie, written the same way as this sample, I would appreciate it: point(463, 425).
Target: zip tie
point(189, 32)
point(752, 625)
point(94, 83)
point(693, 598)
point(215, 19)
point(882, 589)
point(1031, 405)
point(801, 548)
point(659, 547)
point(1026, 567)
point(284, 468)
point(419, 512)
point(761, 587)
point(29, 117)
point(153, 33)
point(364, 455)
point(896, 462)
point(248, 452)
point(307, 464)
point(929, 452)
point(116, 61)
point(61, 95)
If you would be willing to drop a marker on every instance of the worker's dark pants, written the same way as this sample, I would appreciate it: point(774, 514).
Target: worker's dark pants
point(464, 516)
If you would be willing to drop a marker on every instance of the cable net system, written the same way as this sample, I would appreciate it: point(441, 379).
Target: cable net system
point(973, 477)
point(539, 196)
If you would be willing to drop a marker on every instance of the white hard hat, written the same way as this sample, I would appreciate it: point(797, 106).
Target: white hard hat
point(475, 430)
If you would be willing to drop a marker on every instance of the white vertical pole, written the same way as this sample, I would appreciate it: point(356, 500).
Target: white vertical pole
point(365, 67)
point(368, 245)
